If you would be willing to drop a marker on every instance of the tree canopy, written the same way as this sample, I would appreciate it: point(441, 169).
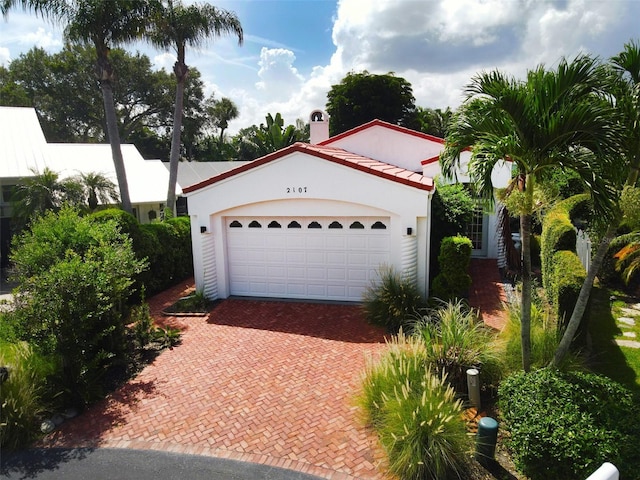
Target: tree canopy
point(362, 97)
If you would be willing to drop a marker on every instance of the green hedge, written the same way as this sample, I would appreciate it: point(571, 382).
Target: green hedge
point(562, 271)
point(568, 276)
point(166, 245)
point(565, 425)
point(454, 280)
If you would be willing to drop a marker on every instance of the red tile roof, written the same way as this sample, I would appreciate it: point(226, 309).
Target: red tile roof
point(332, 154)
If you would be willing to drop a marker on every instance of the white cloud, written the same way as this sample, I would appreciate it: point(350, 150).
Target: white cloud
point(41, 38)
point(437, 45)
point(5, 56)
point(277, 74)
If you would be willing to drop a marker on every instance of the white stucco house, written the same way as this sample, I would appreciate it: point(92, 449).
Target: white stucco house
point(316, 221)
point(24, 150)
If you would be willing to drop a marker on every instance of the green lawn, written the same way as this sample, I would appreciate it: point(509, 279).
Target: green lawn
point(620, 363)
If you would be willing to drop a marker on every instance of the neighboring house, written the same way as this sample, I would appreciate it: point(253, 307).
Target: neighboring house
point(316, 221)
point(24, 149)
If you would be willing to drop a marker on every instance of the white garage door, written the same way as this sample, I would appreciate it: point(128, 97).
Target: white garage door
point(305, 257)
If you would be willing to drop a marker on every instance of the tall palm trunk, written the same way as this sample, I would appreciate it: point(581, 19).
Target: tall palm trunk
point(527, 283)
point(114, 140)
point(181, 71)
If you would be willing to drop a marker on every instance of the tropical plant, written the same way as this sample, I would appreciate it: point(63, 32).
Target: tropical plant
point(434, 121)
point(628, 257)
point(178, 26)
point(42, 192)
point(554, 118)
point(392, 301)
point(624, 83)
point(220, 113)
point(98, 189)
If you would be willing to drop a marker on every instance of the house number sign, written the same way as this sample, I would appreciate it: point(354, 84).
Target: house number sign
point(296, 189)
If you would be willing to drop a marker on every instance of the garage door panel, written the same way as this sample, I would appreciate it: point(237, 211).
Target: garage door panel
point(336, 242)
point(358, 274)
point(315, 258)
point(336, 274)
point(306, 263)
point(379, 242)
point(275, 256)
point(315, 274)
point(337, 291)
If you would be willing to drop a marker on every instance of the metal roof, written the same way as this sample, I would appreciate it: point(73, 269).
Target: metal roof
point(24, 150)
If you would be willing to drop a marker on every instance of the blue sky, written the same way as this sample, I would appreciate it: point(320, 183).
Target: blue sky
point(294, 50)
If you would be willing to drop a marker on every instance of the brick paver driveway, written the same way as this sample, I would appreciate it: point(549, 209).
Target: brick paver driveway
point(259, 381)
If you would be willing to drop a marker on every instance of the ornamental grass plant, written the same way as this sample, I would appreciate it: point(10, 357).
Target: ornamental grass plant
point(455, 340)
point(22, 393)
point(392, 301)
point(415, 413)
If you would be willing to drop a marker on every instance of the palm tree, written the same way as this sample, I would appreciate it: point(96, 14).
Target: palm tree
point(42, 192)
point(176, 25)
point(106, 23)
point(552, 119)
point(625, 86)
point(103, 23)
point(98, 189)
point(221, 112)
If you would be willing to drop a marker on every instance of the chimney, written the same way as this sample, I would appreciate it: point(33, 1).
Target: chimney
point(318, 126)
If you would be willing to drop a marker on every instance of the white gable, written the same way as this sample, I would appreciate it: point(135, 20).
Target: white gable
point(394, 146)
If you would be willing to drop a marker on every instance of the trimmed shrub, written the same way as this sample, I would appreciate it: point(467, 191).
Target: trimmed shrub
point(565, 425)
point(165, 245)
point(170, 260)
point(452, 206)
point(558, 232)
point(568, 276)
point(454, 280)
point(415, 413)
point(393, 301)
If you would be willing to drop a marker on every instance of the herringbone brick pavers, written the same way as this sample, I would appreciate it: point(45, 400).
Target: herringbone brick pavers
point(261, 381)
point(258, 381)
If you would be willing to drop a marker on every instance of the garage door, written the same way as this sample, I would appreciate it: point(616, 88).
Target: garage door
point(305, 257)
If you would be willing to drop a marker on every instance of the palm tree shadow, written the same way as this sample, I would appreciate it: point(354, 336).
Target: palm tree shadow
point(607, 357)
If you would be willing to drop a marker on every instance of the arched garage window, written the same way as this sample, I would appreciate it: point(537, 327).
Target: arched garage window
point(356, 225)
point(376, 226)
point(274, 224)
point(314, 224)
point(335, 224)
point(255, 224)
point(294, 224)
point(235, 224)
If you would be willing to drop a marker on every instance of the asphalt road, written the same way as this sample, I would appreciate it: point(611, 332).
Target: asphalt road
point(121, 464)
